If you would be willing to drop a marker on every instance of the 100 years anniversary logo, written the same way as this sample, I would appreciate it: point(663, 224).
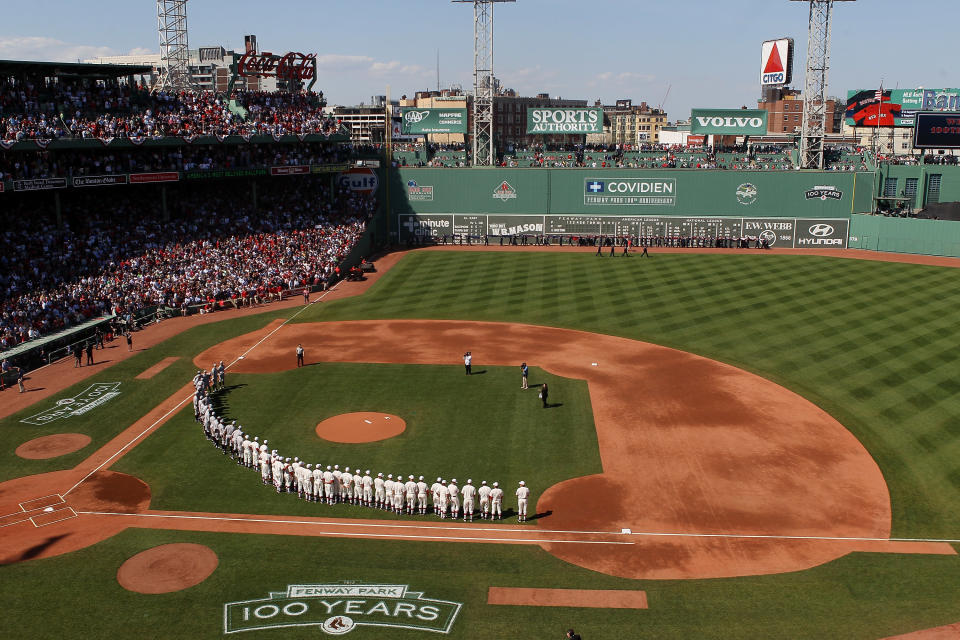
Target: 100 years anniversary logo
point(339, 608)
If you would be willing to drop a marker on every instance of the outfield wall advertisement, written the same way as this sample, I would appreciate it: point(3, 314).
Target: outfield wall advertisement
point(778, 232)
point(758, 194)
point(544, 120)
point(420, 121)
point(729, 122)
point(896, 107)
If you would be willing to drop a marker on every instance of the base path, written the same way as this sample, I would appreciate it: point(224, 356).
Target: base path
point(592, 598)
point(701, 460)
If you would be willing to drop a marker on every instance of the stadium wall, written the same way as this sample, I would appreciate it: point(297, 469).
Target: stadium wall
point(905, 235)
point(932, 183)
point(761, 194)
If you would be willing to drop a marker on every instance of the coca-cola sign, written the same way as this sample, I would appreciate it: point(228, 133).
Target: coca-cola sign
point(291, 66)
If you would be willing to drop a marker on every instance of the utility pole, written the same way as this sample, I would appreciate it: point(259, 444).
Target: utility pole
point(483, 89)
point(815, 85)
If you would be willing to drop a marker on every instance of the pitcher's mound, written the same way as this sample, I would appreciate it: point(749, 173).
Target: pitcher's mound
point(58, 444)
point(167, 568)
point(360, 427)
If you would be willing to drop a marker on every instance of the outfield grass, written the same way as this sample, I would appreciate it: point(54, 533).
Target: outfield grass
point(482, 427)
point(875, 344)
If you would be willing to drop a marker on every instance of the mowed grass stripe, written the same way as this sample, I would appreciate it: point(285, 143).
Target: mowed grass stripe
point(873, 343)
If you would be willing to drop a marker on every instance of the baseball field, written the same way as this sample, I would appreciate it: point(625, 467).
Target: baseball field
point(736, 445)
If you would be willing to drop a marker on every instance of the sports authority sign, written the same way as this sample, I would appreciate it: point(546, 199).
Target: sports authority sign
point(572, 121)
point(91, 398)
point(776, 62)
point(630, 191)
point(729, 122)
point(414, 121)
point(340, 608)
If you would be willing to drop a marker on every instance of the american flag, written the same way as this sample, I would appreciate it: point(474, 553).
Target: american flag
point(878, 95)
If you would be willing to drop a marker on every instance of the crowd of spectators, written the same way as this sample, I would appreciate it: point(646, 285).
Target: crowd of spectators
point(120, 255)
point(83, 109)
point(18, 165)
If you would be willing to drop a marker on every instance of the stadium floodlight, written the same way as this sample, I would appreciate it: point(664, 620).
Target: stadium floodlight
point(483, 88)
point(174, 51)
point(815, 82)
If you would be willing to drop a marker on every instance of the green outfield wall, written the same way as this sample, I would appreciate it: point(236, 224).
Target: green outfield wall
point(905, 235)
point(605, 192)
point(918, 186)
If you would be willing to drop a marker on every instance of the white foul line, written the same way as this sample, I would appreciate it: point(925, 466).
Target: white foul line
point(187, 399)
point(358, 534)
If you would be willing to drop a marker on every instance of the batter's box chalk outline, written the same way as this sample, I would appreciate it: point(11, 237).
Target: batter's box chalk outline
point(61, 515)
point(45, 500)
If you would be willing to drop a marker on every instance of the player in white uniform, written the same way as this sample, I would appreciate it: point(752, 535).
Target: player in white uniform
point(276, 469)
point(245, 451)
point(388, 492)
point(287, 476)
point(318, 483)
point(398, 494)
point(442, 495)
point(411, 494)
point(346, 485)
point(307, 482)
point(484, 493)
point(468, 491)
point(523, 494)
point(336, 485)
point(496, 501)
point(435, 490)
point(357, 487)
point(453, 495)
point(264, 460)
point(328, 482)
point(422, 496)
point(380, 487)
point(367, 488)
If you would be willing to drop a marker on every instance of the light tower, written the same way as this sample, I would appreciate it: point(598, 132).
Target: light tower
point(174, 52)
point(815, 85)
point(483, 80)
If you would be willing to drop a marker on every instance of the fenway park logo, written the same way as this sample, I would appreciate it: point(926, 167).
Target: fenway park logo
point(339, 608)
point(87, 400)
point(505, 192)
point(824, 193)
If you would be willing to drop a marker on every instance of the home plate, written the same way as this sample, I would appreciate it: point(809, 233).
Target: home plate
point(48, 510)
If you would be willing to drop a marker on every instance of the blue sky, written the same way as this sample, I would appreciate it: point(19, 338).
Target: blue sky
point(709, 51)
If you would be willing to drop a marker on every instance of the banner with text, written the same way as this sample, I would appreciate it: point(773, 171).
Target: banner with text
point(434, 121)
point(776, 232)
point(896, 107)
point(729, 122)
point(546, 120)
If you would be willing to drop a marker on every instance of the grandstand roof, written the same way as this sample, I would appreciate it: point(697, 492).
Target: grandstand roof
point(72, 69)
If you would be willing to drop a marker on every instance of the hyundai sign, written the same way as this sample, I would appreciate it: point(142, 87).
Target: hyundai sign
point(776, 62)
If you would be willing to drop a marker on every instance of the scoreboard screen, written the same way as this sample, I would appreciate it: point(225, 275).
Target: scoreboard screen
point(937, 131)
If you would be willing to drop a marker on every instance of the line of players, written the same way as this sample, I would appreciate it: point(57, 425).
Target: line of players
point(330, 485)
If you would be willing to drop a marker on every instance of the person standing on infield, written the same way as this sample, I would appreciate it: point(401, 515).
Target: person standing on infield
point(524, 370)
point(299, 355)
point(467, 359)
point(543, 394)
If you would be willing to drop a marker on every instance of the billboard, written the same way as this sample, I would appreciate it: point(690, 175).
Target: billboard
point(546, 120)
point(630, 191)
point(418, 121)
point(896, 107)
point(937, 131)
point(778, 232)
point(729, 122)
point(776, 62)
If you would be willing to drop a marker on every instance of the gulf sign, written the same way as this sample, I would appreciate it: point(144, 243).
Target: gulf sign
point(776, 62)
point(361, 179)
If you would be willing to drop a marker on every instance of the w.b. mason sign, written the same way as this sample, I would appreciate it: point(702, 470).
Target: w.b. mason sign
point(339, 608)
